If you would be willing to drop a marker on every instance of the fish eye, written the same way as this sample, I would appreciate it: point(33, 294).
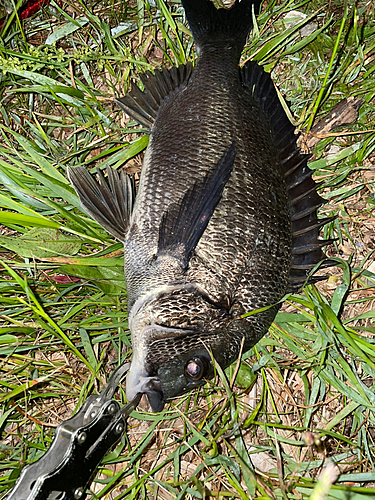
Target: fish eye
point(195, 368)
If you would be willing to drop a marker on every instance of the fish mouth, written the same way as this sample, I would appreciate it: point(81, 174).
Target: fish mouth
point(145, 384)
point(155, 394)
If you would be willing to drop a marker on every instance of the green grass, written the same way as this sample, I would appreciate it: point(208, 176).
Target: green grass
point(304, 396)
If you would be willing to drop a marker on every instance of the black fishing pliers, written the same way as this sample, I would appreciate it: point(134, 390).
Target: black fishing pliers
point(80, 443)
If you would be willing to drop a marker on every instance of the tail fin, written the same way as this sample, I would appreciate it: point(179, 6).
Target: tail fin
point(227, 26)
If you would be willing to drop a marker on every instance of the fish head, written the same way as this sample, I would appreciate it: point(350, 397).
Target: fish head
point(169, 360)
point(183, 372)
point(171, 366)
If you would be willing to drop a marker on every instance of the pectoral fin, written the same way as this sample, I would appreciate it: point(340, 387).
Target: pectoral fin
point(183, 224)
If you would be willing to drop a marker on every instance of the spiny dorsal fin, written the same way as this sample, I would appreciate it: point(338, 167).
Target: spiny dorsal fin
point(143, 106)
point(184, 224)
point(109, 202)
point(303, 197)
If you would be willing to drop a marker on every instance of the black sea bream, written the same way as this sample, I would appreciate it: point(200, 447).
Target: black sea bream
point(224, 221)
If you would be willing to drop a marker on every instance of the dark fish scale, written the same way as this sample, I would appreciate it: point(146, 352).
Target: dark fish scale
point(250, 212)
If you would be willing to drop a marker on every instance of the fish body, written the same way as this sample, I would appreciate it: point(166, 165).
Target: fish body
point(224, 221)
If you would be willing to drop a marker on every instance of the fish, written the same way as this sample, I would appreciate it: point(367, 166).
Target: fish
point(224, 221)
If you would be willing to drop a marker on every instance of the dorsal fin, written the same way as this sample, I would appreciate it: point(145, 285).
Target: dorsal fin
point(143, 106)
point(303, 197)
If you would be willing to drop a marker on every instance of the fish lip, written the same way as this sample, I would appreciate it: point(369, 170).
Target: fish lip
point(154, 394)
point(144, 383)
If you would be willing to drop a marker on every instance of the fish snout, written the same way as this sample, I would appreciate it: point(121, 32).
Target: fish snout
point(143, 383)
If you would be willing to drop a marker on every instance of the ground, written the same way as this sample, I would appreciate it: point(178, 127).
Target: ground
point(303, 397)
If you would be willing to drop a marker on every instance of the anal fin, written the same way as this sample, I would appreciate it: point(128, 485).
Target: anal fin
point(143, 106)
point(183, 224)
point(108, 202)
